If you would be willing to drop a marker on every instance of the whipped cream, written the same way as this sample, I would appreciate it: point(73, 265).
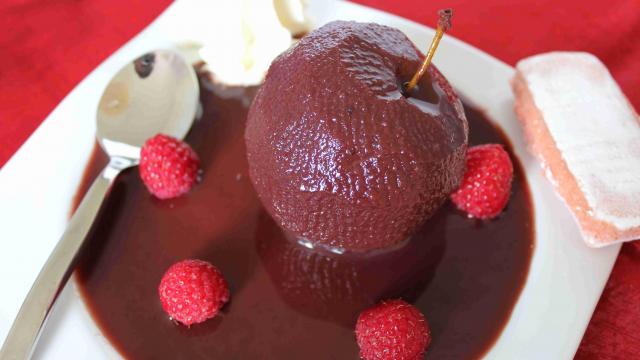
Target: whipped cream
point(239, 39)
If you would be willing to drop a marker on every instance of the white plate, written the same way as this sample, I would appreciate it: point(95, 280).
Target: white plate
point(38, 183)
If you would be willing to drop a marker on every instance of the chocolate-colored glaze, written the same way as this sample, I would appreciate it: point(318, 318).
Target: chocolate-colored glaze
point(288, 302)
point(335, 287)
point(338, 155)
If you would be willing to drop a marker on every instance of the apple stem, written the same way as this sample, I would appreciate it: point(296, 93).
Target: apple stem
point(444, 24)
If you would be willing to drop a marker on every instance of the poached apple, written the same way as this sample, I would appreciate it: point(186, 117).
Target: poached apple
point(339, 155)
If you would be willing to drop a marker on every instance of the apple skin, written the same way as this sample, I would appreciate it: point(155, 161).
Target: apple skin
point(337, 155)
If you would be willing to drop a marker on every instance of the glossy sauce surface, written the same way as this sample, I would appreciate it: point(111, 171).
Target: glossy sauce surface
point(288, 302)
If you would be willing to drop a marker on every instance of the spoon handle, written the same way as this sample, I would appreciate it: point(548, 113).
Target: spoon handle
point(33, 313)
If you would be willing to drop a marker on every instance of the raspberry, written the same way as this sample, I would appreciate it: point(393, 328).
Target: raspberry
point(486, 185)
point(393, 330)
point(192, 291)
point(168, 166)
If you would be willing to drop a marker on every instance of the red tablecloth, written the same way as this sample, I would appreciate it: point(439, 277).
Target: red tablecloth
point(47, 47)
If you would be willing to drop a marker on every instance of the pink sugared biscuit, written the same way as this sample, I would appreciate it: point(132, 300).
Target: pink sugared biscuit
point(586, 134)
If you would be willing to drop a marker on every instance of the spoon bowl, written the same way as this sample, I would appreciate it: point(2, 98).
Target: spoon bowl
point(156, 93)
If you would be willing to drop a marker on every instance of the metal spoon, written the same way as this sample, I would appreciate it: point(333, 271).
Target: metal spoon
point(157, 93)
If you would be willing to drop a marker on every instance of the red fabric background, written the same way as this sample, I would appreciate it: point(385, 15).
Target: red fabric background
point(47, 47)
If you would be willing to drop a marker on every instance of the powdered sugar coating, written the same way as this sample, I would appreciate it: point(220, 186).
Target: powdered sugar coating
point(596, 133)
